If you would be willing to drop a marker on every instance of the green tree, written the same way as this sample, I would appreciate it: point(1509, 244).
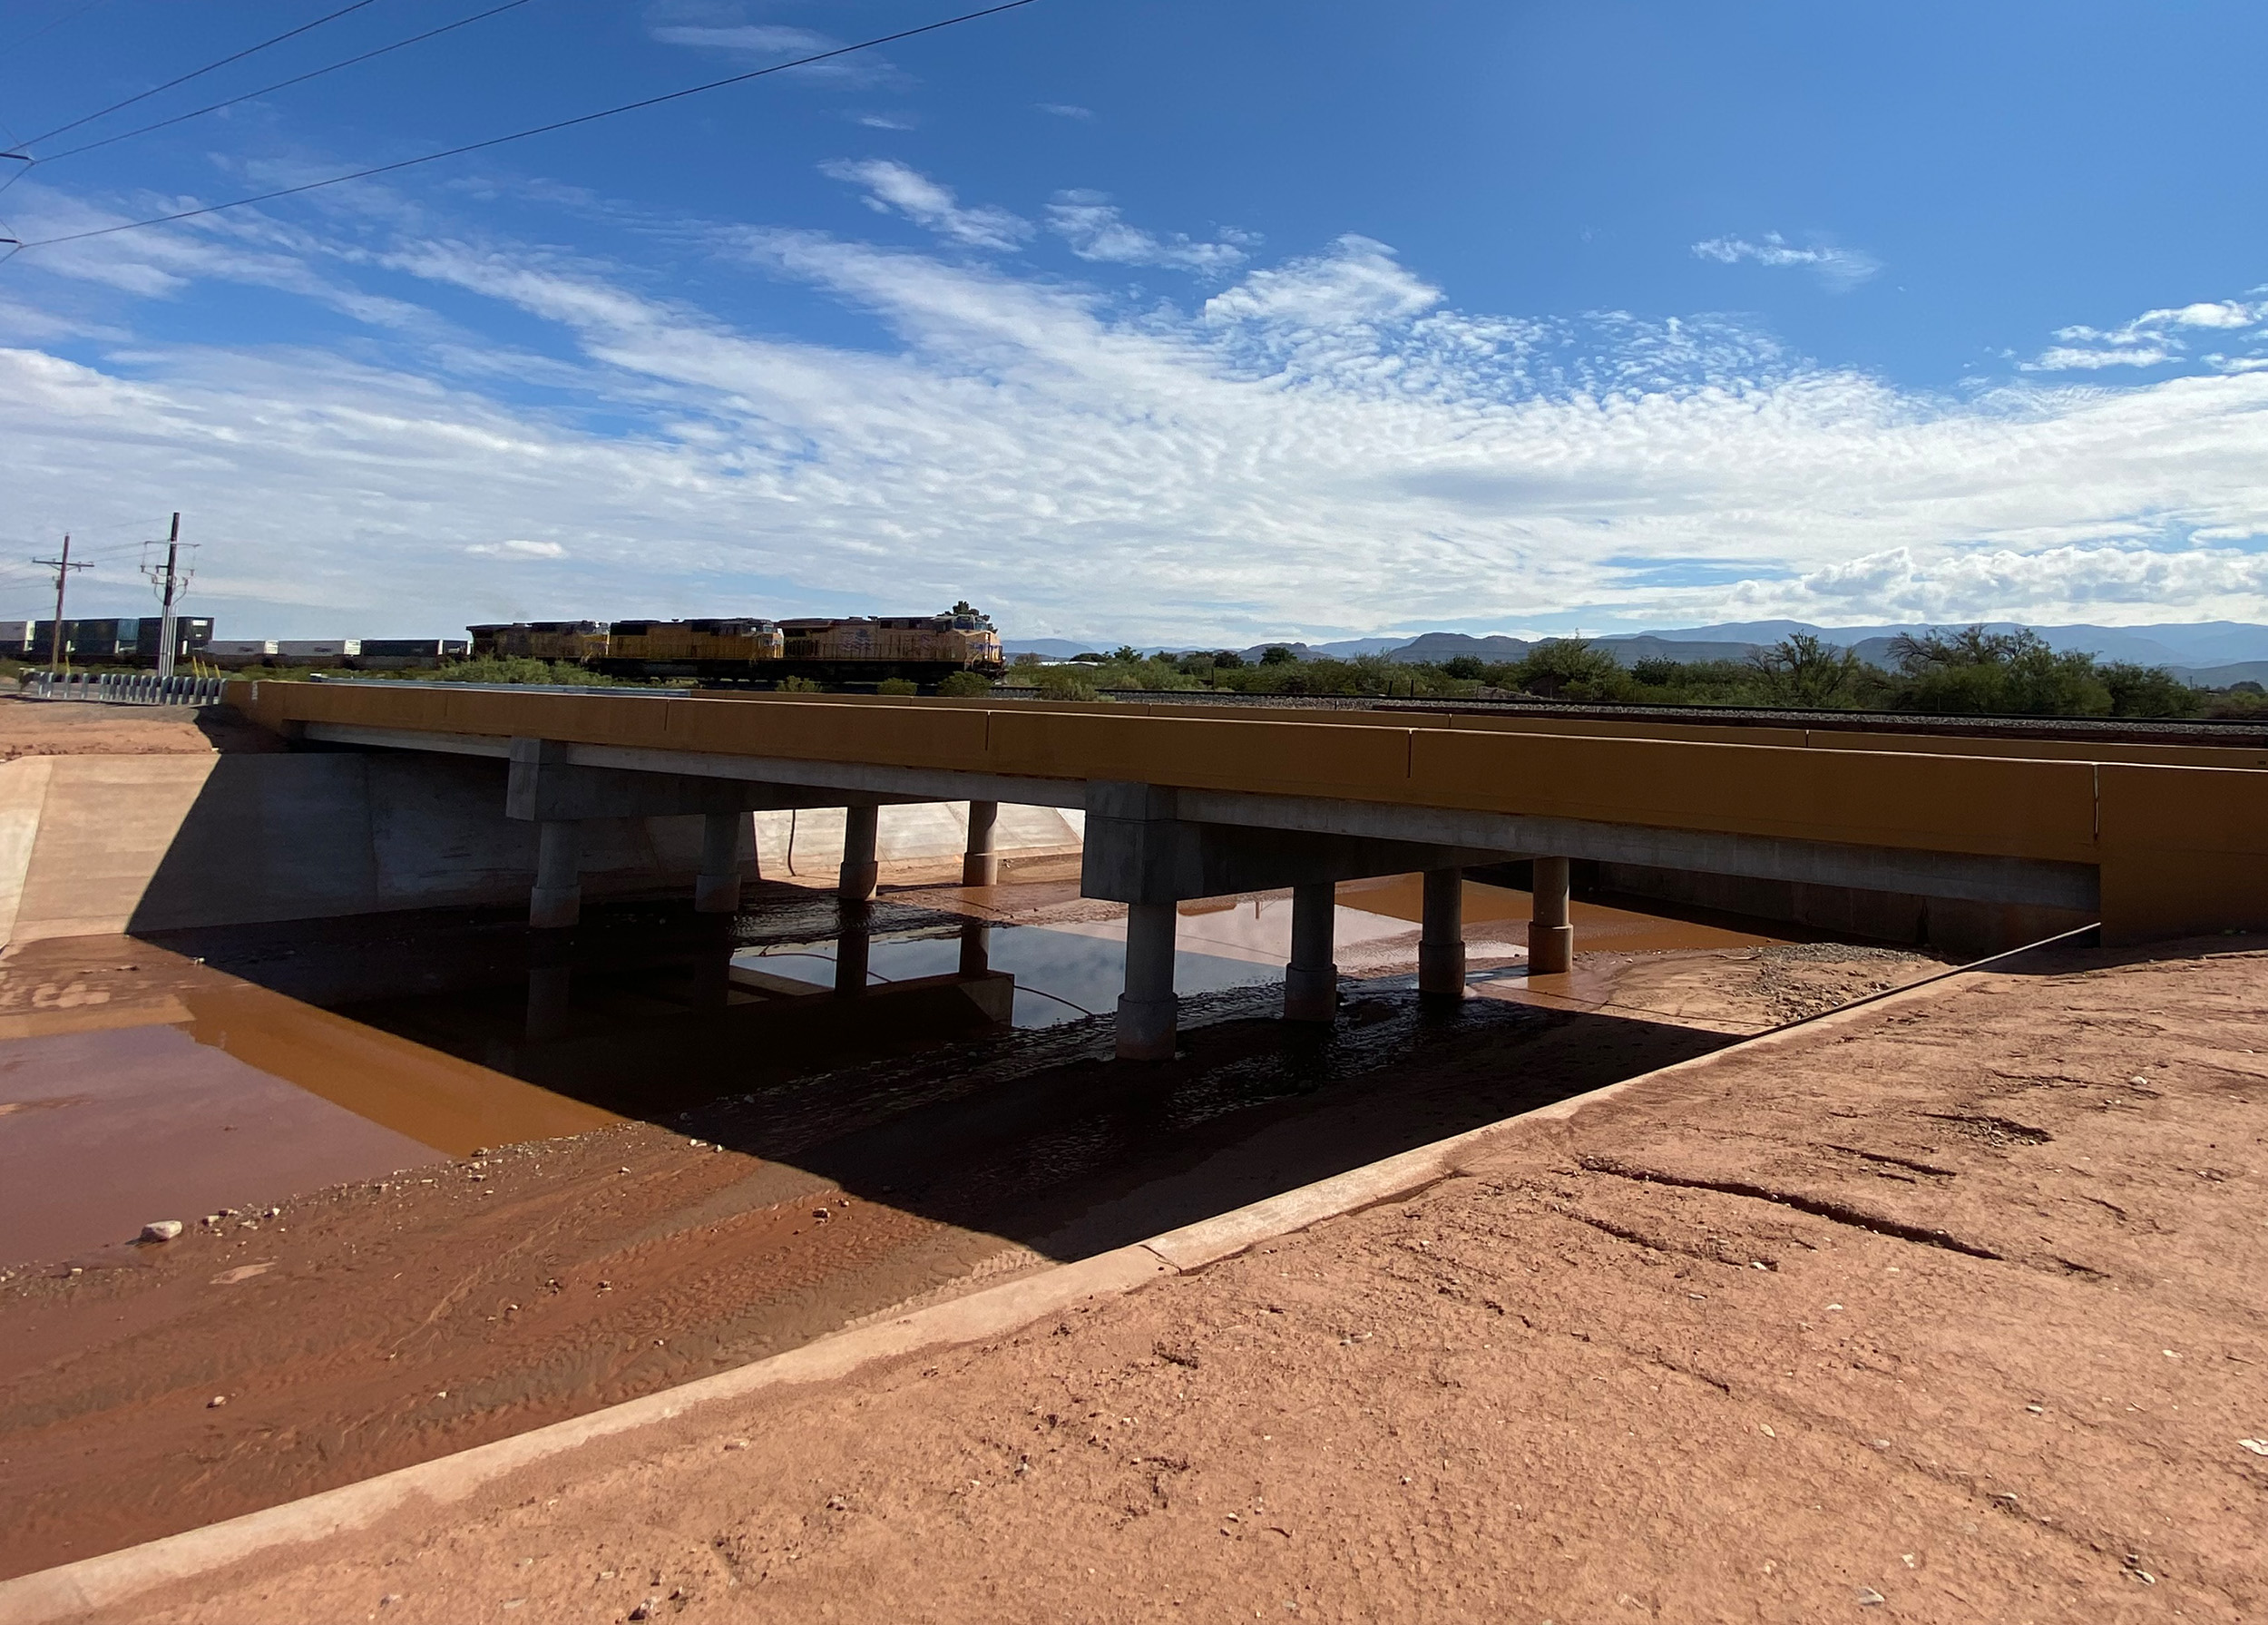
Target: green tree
point(897, 686)
point(1560, 667)
point(2149, 691)
point(964, 685)
point(1803, 671)
point(1066, 682)
point(798, 685)
point(1976, 672)
point(1277, 654)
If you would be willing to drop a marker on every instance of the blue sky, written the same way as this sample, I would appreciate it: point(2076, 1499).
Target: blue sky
point(1176, 322)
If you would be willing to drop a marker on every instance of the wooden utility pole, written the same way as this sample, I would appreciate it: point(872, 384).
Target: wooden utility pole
point(165, 622)
point(63, 567)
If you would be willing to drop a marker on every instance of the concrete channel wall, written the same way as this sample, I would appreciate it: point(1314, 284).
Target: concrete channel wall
point(97, 844)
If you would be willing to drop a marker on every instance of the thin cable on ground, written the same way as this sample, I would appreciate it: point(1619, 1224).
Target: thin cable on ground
point(200, 72)
point(271, 89)
point(498, 141)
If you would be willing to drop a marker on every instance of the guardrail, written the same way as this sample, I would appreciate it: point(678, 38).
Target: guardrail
point(123, 688)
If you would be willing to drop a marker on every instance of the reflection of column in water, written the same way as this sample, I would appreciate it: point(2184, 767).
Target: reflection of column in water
point(976, 947)
point(551, 986)
point(850, 950)
point(712, 964)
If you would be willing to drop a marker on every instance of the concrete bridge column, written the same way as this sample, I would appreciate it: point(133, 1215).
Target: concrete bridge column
point(981, 865)
point(1311, 981)
point(557, 899)
point(1148, 1011)
point(1442, 938)
point(1550, 939)
point(717, 890)
point(856, 883)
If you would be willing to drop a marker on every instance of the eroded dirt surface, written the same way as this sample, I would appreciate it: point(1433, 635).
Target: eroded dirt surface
point(83, 728)
point(356, 1329)
point(1949, 1310)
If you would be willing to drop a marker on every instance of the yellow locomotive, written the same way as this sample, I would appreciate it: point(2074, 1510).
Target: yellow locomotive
point(746, 650)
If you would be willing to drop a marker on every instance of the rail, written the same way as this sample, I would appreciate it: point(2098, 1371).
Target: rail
point(123, 688)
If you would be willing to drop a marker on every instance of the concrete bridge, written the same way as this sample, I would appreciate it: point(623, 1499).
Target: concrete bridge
point(1183, 802)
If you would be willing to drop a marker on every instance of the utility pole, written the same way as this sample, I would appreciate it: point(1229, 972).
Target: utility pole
point(63, 567)
point(172, 583)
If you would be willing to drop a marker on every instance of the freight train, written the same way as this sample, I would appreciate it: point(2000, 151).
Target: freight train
point(750, 650)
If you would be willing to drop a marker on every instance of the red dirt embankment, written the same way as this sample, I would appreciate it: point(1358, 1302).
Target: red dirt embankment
point(86, 727)
point(1952, 1309)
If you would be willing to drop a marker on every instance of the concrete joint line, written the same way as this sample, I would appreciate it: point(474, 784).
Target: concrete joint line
point(73, 1590)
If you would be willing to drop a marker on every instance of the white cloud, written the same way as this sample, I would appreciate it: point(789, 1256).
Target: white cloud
point(2150, 339)
point(2066, 359)
point(1838, 269)
point(1325, 446)
point(517, 549)
point(891, 187)
point(758, 39)
point(1065, 110)
point(1358, 282)
point(761, 42)
point(1093, 228)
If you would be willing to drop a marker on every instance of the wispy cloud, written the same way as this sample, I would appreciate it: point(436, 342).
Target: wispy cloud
point(1327, 445)
point(518, 549)
point(1065, 110)
point(1838, 267)
point(1093, 226)
point(764, 41)
point(2151, 340)
point(893, 187)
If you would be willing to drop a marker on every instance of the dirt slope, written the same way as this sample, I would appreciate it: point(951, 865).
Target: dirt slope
point(1953, 1312)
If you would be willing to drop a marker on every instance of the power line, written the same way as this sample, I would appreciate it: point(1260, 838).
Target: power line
point(21, 40)
point(498, 141)
point(200, 72)
point(270, 90)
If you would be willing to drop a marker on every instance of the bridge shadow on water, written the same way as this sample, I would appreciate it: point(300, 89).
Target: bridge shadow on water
point(924, 1092)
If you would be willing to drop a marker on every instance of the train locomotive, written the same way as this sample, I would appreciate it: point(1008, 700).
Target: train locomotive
point(752, 651)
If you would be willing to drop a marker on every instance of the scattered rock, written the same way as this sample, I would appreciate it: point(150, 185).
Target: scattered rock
point(1871, 1598)
point(161, 1229)
point(2257, 1446)
point(644, 1611)
point(216, 1401)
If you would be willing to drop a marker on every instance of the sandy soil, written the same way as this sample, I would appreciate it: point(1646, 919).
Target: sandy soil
point(1953, 1310)
point(362, 1327)
point(83, 728)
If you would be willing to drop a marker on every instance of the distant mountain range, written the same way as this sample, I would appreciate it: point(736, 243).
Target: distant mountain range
point(2211, 653)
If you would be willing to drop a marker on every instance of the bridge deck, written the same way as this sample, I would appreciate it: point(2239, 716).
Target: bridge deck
point(2168, 839)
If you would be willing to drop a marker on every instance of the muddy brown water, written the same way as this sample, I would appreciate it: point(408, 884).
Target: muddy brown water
point(466, 1179)
point(201, 1070)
